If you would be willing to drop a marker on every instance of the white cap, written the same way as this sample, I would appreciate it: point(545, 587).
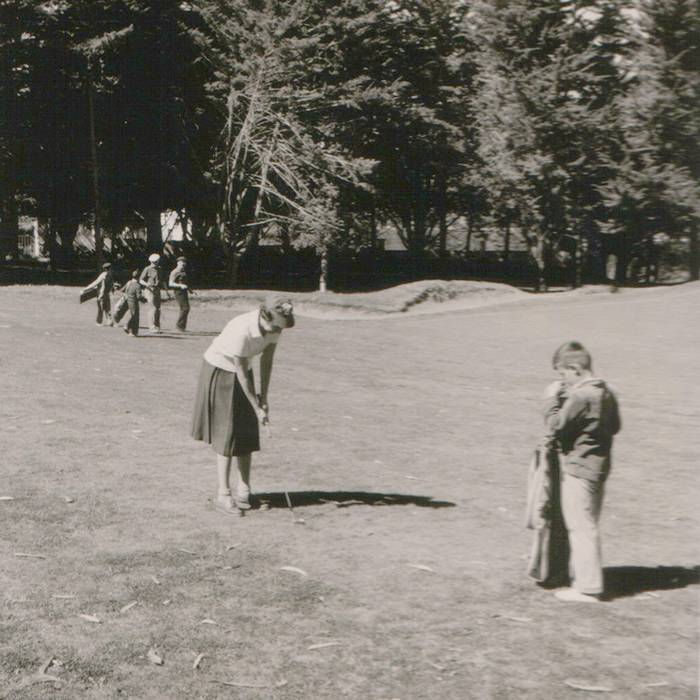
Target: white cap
point(153, 257)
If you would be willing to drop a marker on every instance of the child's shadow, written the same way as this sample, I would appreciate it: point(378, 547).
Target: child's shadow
point(623, 581)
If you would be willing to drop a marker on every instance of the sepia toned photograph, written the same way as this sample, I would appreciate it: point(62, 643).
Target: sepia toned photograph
point(349, 349)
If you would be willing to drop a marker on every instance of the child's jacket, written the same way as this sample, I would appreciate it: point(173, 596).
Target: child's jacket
point(584, 426)
point(132, 289)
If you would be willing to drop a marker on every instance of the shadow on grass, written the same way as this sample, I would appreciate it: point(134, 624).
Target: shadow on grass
point(623, 581)
point(163, 335)
point(345, 499)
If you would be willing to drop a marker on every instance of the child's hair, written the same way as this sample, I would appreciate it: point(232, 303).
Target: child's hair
point(135, 274)
point(572, 354)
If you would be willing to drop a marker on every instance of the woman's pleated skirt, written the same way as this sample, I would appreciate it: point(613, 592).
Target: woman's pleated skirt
point(223, 416)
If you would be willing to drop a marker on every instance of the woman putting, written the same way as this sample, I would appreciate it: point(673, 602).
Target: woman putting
point(227, 411)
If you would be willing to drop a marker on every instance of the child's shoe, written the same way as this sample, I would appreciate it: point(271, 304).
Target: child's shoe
point(570, 595)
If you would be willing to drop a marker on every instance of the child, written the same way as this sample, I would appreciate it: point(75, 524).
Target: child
point(582, 415)
point(103, 285)
point(227, 410)
point(132, 292)
point(151, 282)
point(178, 282)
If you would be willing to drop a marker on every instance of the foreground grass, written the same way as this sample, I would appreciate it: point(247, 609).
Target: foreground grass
point(420, 428)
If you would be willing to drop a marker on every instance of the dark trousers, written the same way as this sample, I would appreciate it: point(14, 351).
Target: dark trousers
point(103, 309)
point(132, 325)
point(183, 302)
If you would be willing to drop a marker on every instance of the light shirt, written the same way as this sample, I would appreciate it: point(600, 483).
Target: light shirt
point(177, 276)
point(241, 337)
point(150, 277)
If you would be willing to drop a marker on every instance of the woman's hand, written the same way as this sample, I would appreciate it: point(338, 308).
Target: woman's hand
point(263, 412)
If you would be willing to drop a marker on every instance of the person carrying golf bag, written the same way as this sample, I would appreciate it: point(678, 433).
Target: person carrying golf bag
point(227, 411)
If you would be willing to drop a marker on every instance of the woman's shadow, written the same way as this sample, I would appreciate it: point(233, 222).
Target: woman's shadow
point(625, 581)
point(344, 499)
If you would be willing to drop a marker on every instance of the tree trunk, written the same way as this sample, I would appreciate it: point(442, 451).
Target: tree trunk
point(95, 174)
point(154, 232)
point(539, 255)
point(9, 229)
point(442, 218)
point(694, 254)
point(470, 230)
point(67, 231)
point(232, 268)
point(51, 247)
point(506, 241)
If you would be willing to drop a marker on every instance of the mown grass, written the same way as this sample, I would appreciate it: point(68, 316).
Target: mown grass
point(419, 409)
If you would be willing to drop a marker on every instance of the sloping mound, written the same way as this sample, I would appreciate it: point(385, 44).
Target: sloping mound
point(426, 295)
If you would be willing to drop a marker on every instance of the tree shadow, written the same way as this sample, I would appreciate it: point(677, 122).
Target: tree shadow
point(624, 581)
point(344, 499)
point(163, 336)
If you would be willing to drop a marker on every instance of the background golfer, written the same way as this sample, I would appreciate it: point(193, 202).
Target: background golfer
point(150, 280)
point(227, 411)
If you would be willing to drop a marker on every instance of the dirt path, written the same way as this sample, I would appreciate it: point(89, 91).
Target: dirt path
point(421, 427)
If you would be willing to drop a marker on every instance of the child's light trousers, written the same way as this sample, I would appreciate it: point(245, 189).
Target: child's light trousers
point(581, 502)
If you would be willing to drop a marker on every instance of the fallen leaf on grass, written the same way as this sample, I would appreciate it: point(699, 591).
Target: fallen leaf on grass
point(660, 684)
point(29, 556)
point(128, 607)
point(232, 546)
point(62, 597)
point(323, 645)
point(243, 684)
point(197, 661)
point(422, 567)
point(154, 657)
point(590, 688)
point(48, 422)
point(167, 602)
point(514, 618)
point(437, 666)
point(46, 678)
point(7, 498)
point(45, 666)
point(187, 551)
point(208, 622)
point(653, 595)
point(69, 499)
point(415, 478)
point(90, 618)
point(155, 580)
point(294, 570)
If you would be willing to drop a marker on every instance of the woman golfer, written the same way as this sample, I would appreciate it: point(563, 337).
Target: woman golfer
point(227, 411)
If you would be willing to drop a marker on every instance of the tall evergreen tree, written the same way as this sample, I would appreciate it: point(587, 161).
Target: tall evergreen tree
point(546, 75)
point(654, 186)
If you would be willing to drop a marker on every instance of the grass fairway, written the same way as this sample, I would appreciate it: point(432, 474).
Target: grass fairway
point(404, 444)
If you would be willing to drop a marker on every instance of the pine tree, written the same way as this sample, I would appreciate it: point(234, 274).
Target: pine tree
point(546, 75)
point(654, 188)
